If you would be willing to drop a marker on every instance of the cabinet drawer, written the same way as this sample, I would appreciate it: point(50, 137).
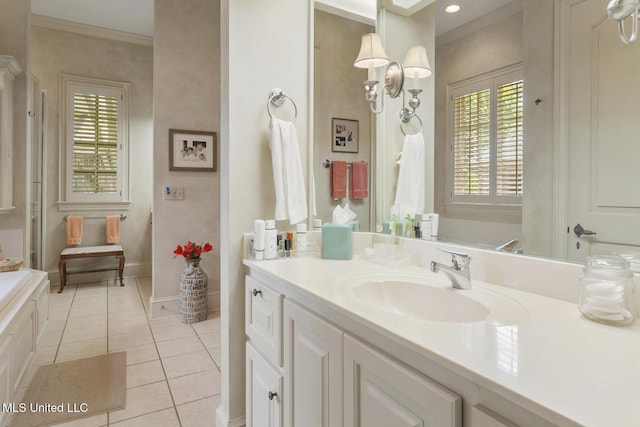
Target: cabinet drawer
point(483, 417)
point(263, 319)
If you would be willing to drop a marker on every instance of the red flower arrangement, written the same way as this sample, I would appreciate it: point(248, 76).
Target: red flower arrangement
point(191, 250)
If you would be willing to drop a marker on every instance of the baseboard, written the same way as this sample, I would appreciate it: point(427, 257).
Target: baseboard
point(170, 306)
point(222, 419)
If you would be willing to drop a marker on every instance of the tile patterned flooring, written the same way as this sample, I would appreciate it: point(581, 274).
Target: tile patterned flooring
point(173, 369)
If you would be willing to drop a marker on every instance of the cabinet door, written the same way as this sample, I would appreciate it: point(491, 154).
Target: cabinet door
point(313, 369)
point(380, 392)
point(264, 392)
point(263, 318)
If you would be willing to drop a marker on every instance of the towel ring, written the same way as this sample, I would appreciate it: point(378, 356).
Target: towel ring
point(403, 121)
point(277, 98)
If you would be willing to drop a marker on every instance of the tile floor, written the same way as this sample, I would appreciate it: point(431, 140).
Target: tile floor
point(173, 369)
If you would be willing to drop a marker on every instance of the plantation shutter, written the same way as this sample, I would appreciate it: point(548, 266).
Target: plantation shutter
point(472, 143)
point(95, 143)
point(509, 139)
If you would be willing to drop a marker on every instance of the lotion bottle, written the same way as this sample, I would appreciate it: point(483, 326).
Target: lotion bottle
point(258, 239)
point(271, 240)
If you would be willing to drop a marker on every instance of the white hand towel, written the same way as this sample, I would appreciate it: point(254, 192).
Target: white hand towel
point(411, 185)
point(288, 179)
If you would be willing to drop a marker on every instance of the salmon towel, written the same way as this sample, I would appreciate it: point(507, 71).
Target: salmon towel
point(359, 183)
point(338, 179)
point(112, 223)
point(74, 230)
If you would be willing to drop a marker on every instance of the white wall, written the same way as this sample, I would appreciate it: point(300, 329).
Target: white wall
point(264, 45)
point(55, 52)
point(186, 95)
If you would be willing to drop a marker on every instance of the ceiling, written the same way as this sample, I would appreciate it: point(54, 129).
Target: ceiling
point(136, 16)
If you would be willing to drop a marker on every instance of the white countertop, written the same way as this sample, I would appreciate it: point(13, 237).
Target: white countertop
point(587, 373)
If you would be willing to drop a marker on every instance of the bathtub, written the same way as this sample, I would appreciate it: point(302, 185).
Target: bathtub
point(11, 283)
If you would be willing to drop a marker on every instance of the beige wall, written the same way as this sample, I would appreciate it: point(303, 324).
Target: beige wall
point(339, 93)
point(56, 52)
point(186, 95)
point(497, 45)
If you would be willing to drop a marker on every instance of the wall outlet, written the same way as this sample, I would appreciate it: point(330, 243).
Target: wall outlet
point(173, 193)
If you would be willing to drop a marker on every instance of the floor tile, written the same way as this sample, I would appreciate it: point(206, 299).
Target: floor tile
point(179, 346)
point(164, 418)
point(186, 364)
point(195, 386)
point(91, 319)
point(144, 373)
point(201, 413)
point(144, 400)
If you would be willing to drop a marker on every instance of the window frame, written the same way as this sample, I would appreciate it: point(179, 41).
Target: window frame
point(68, 199)
point(490, 80)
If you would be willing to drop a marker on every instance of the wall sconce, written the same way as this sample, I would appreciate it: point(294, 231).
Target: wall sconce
point(416, 66)
point(619, 10)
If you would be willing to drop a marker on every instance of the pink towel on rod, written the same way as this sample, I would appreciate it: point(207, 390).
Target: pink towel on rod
point(112, 225)
point(74, 230)
point(359, 184)
point(338, 179)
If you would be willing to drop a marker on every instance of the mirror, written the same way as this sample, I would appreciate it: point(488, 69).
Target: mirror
point(510, 32)
point(339, 103)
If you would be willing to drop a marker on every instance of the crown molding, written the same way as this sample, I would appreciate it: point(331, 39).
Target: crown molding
point(90, 30)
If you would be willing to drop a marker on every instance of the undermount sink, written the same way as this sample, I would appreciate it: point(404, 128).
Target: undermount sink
point(427, 298)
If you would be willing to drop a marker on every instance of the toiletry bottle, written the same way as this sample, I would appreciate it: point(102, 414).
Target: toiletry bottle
point(425, 228)
point(258, 239)
point(301, 237)
point(435, 219)
point(317, 224)
point(292, 243)
point(271, 240)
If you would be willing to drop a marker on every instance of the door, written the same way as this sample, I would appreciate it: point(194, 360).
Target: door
point(313, 368)
point(602, 127)
point(380, 392)
point(264, 392)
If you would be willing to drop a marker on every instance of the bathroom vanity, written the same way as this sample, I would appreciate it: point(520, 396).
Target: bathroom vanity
point(360, 343)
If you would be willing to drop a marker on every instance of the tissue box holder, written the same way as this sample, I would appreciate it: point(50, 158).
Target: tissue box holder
point(337, 241)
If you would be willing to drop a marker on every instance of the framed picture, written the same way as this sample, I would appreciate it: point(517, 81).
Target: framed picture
point(191, 150)
point(345, 135)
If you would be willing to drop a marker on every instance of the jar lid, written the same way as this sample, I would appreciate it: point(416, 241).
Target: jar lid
point(270, 224)
point(633, 258)
point(301, 228)
point(607, 262)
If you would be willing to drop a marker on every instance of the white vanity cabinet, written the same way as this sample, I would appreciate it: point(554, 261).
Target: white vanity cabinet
point(380, 392)
point(303, 371)
point(264, 375)
point(313, 369)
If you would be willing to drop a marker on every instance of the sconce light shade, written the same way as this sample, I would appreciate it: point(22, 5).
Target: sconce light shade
point(416, 64)
point(371, 53)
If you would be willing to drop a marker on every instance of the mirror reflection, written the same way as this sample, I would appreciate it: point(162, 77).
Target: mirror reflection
point(577, 141)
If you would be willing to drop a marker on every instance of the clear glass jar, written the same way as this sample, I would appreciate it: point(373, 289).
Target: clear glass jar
point(606, 290)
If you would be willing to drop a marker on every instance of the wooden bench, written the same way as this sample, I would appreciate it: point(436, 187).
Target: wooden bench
point(89, 252)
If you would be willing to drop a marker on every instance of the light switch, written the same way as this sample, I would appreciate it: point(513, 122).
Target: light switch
point(173, 193)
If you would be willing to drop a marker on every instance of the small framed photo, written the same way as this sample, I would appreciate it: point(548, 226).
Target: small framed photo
point(191, 150)
point(345, 135)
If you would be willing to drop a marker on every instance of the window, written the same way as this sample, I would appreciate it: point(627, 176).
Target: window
point(485, 136)
point(94, 125)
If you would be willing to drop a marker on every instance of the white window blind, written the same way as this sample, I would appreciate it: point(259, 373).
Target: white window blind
point(95, 143)
point(94, 123)
point(486, 140)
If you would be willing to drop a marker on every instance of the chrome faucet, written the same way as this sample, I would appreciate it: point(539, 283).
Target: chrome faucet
point(458, 273)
